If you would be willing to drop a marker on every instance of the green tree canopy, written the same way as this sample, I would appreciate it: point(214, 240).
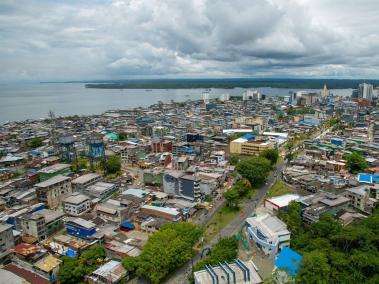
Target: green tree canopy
point(36, 142)
point(336, 254)
point(166, 250)
point(73, 270)
point(232, 198)
point(271, 154)
point(315, 268)
point(113, 164)
point(226, 249)
point(255, 170)
point(355, 163)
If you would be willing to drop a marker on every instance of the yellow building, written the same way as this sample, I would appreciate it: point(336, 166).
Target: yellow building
point(245, 147)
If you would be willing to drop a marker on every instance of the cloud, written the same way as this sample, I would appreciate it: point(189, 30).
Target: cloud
point(104, 39)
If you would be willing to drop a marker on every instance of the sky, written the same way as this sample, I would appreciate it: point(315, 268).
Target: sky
point(42, 40)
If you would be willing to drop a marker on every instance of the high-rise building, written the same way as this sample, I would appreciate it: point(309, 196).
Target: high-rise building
point(365, 91)
point(325, 92)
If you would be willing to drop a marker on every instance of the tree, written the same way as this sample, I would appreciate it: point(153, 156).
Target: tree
point(315, 269)
point(243, 188)
point(255, 170)
point(113, 164)
point(79, 164)
point(226, 249)
point(74, 269)
point(234, 159)
point(292, 217)
point(122, 136)
point(271, 154)
point(36, 142)
point(232, 198)
point(166, 250)
point(355, 163)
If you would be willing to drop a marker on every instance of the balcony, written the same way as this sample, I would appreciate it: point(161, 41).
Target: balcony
point(262, 242)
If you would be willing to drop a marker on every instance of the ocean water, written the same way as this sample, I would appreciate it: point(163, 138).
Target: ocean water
point(34, 100)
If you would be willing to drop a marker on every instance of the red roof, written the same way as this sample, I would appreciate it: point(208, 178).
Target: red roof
point(28, 275)
point(25, 249)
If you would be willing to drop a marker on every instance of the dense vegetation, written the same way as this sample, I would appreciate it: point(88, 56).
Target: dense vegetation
point(112, 164)
point(335, 254)
point(226, 83)
point(355, 163)
point(226, 249)
point(165, 251)
point(271, 154)
point(300, 111)
point(255, 170)
point(73, 270)
point(241, 189)
point(35, 142)
point(79, 164)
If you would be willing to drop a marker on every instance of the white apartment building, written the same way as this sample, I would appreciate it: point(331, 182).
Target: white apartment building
point(76, 204)
point(269, 233)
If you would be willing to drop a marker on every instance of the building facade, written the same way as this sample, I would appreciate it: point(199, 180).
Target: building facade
point(269, 233)
point(53, 190)
point(76, 204)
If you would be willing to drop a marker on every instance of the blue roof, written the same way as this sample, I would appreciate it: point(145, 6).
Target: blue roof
point(289, 261)
point(127, 225)
point(71, 253)
point(363, 177)
point(249, 136)
point(188, 150)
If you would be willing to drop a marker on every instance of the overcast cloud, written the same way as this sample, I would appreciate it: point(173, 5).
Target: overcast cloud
point(78, 40)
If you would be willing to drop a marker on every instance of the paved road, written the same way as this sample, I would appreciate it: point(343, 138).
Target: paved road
point(180, 276)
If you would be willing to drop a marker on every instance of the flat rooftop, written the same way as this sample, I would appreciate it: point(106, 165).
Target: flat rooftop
point(52, 181)
point(76, 198)
point(100, 187)
point(204, 276)
point(54, 168)
point(283, 200)
point(86, 178)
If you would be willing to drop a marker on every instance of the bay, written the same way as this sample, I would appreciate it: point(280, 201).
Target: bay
point(21, 101)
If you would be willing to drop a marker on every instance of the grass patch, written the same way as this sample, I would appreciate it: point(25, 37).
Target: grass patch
point(279, 188)
point(219, 221)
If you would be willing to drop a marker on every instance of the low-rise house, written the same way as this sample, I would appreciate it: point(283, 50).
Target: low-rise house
point(110, 273)
point(48, 267)
point(79, 227)
point(280, 202)
point(42, 224)
point(111, 211)
point(315, 205)
point(53, 170)
point(53, 190)
point(26, 275)
point(171, 214)
point(360, 198)
point(101, 190)
point(76, 204)
point(269, 233)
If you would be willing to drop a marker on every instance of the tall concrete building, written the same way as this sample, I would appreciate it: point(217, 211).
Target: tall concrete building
point(365, 91)
point(53, 190)
point(6, 240)
point(325, 92)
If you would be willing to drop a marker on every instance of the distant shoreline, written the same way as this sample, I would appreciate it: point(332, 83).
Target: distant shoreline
point(150, 84)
